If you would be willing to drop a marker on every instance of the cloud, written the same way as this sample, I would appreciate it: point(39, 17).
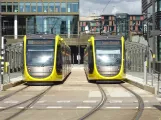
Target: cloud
point(111, 1)
point(114, 11)
point(96, 7)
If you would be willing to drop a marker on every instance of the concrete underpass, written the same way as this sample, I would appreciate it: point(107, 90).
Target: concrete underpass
point(75, 50)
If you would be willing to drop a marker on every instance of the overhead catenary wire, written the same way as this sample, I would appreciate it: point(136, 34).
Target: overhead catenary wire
point(105, 6)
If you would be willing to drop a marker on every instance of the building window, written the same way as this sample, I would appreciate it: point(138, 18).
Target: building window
point(3, 7)
point(69, 7)
point(8, 25)
point(72, 7)
point(51, 7)
point(63, 29)
point(57, 7)
point(134, 23)
point(21, 25)
point(54, 24)
point(75, 7)
point(33, 7)
point(27, 7)
point(133, 27)
point(63, 7)
point(159, 5)
point(140, 28)
point(137, 17)
point(15, 7)
point(45, 7)
point(39, 7)
point(9, 7)
point(21, 7)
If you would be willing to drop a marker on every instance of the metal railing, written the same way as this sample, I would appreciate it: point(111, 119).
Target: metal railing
point(138, 61)
point(155, 75)
point(151, 78)
point(12, 62)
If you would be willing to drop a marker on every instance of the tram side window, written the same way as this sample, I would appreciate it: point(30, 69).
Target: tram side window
point(59, 59)
point(90, 59)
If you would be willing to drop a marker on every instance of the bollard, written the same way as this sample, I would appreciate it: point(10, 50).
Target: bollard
point(152, 77)
point(73, 59)
point(145, 73)
point(158, 82)
point(9, 72)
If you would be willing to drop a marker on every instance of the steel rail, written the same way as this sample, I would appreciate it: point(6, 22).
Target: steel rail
point(98, 106)
point(33, 99)
point(13, 93)
point(140, 104)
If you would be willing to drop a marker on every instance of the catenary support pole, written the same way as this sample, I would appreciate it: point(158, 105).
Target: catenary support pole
point(153, 28)
point(2, 60)
point(0, 39)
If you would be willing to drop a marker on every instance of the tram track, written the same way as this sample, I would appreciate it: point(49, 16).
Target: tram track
point(140, 103)
point(13, 93)
point(98, 106)
point(103, 101)
point(33, 101)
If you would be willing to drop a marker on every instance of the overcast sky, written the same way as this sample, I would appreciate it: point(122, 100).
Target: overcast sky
point(115, 6)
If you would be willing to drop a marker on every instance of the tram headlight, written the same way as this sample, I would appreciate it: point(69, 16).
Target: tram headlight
point(50, 69)
point(29, 69)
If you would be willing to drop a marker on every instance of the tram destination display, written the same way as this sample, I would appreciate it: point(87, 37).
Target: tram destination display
point(40, 42)
point(108, 42)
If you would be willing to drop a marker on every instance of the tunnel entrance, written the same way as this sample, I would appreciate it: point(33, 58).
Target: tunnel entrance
point(75, 54)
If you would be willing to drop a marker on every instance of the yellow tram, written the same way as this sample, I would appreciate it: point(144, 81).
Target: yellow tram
point(47, 58)
point(104, 58)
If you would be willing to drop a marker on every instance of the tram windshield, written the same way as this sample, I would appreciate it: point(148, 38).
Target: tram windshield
point(108, 55)
point(40, 55)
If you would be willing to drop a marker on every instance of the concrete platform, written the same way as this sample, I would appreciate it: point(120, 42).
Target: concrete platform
point(12, 81)
point(137, 79)
point(134, 78)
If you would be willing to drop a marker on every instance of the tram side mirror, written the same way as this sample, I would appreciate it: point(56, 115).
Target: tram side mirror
point(89, 40)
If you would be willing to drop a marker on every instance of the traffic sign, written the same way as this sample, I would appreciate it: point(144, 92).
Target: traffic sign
point(155, 32)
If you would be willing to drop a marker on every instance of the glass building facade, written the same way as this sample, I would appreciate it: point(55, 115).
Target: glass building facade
point(127, 24)
point(52, 24)
point(122, 25)
point(148, 10)
point(34, 16)
point(45, 6)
